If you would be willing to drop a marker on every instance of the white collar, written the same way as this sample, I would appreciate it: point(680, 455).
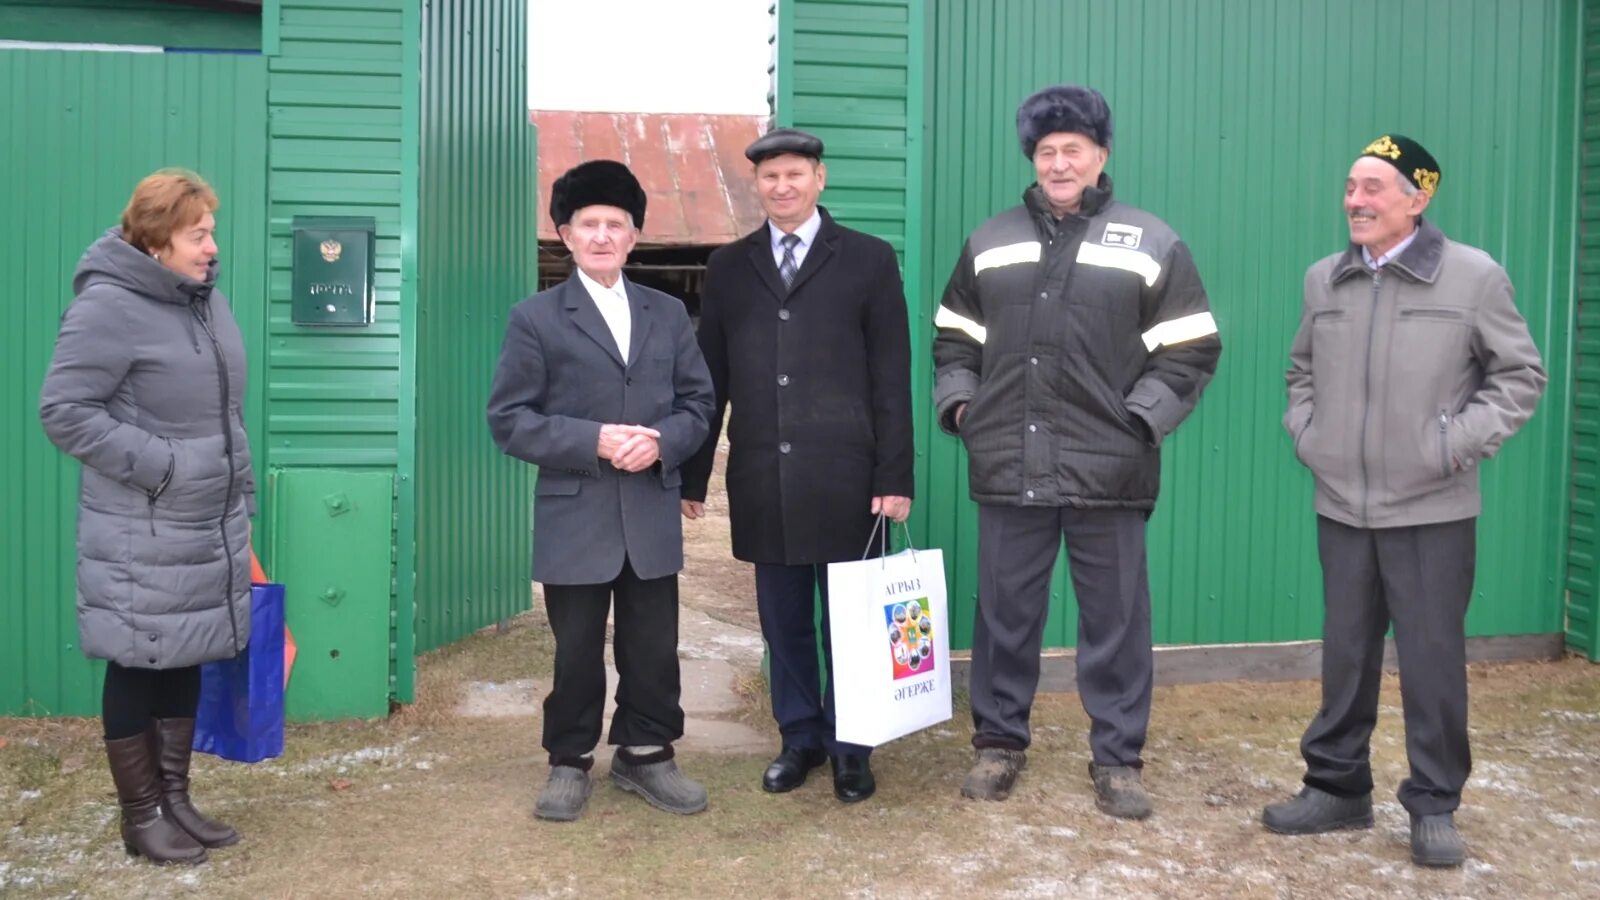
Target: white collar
point(1392, 255)
point(807, 231)
point(596, 288)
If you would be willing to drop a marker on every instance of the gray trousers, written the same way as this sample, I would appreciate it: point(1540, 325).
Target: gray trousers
point(1419, 578)
point(1017, 549)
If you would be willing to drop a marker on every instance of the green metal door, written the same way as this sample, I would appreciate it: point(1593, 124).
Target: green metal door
point(81, 129)
point(332, 534)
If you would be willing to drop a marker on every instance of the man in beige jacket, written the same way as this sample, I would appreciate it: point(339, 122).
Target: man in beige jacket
point(1411, 364)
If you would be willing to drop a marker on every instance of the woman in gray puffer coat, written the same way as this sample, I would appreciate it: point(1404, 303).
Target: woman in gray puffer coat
point(146, 389)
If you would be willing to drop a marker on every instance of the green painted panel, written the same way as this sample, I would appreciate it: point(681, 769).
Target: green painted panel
point(844, 72)
point(1239, 133)
point(150, 23)
point(337, 140)
point(1583, 542)
point(59, 191)
point(476, 241)
point(332, 532)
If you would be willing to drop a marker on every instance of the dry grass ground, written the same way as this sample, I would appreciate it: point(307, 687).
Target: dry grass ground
point(430, 804)
point(427, 805)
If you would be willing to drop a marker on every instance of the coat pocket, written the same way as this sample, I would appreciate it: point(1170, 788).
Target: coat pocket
point(1442, 313)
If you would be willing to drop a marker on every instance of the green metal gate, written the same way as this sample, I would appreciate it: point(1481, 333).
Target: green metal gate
point(1236, 121)
point(81, 129)
point(1583, 548)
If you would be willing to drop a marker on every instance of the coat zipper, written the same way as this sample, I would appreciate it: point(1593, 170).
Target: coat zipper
point(227, 447)
point(1444, 443)
point(1366, 396)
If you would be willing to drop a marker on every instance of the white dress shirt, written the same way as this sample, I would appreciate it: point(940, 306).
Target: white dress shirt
point(1394, 252)
point(807, 232)
point(613, 304)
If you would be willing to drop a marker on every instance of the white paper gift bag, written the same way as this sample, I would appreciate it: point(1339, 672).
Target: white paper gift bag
point(890, 628)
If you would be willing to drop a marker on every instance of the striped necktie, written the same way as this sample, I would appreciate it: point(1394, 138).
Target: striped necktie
point(789, 266)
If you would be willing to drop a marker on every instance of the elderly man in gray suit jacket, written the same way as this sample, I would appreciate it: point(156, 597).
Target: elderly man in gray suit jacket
point(601, 384)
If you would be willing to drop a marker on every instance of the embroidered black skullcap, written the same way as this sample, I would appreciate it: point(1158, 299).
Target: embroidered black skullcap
point(1415, 163)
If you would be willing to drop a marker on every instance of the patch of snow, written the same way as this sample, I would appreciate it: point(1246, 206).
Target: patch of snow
point(1043, 887)
point(1128, 872)
point(1503, 778)
point(1570, 823)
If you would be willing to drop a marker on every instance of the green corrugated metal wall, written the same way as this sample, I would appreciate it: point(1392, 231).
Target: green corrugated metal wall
point(1236, 122)
point(1583, 558)
point(344, 137)
point(149, 22)
point(81, 130)
point(476, 258)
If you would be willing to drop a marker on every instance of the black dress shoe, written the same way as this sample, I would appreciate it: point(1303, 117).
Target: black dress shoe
point(852, 779)
point(788, 771)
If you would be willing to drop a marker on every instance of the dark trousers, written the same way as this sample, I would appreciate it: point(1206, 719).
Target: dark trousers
point(1017, 549)
point(131, 697)
point(1419, 578)
point(645, 644)
point(786, 598)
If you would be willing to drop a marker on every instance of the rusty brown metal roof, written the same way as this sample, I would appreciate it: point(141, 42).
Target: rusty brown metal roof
point(700, 189)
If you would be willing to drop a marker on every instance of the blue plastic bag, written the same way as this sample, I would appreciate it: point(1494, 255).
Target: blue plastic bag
point(241, 699)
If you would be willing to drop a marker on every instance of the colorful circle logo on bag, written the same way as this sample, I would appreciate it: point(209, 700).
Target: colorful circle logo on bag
point(910, 637)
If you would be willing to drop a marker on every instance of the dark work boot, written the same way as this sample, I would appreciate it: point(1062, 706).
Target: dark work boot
point(174, 739)
point(1316, 811)
point(993, 774)
point(1119, 791)
point(145, 830)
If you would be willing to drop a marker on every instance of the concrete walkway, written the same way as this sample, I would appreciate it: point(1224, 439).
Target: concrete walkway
point(714, 655)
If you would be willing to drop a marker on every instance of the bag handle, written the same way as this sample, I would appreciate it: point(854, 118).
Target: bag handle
point(880, 531)
point(906, 530)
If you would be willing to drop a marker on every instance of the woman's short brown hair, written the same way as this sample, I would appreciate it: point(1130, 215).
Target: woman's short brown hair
point(165, 202)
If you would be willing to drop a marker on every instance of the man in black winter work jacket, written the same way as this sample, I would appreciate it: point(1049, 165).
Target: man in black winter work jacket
point(1074, 335)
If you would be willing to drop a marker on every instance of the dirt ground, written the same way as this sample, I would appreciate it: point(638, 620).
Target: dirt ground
point(712, 580)
point(431, 803)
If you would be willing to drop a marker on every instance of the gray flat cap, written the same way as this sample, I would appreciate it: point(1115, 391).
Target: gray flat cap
point(779, 141)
